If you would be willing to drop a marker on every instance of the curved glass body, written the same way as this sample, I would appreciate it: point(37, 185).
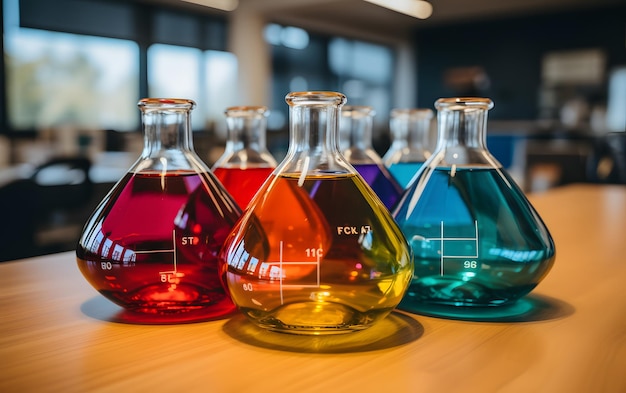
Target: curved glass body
point(151, 245)
point(316, 252)
point(246, 163)
point(476, 239)
point(410, 143)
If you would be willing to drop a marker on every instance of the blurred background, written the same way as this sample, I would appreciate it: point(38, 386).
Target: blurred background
point(73, 71)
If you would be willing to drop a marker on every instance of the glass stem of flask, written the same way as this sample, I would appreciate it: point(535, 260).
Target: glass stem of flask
point(246, 128)
point(313, 135)
point(166, 129)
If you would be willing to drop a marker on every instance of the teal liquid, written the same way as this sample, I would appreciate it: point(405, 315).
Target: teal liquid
point(403, 172)
point(476, 239)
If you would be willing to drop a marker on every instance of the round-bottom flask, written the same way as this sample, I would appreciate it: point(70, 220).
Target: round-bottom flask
point(410, 143)
point(315, 251)
point(151, 245)
point(476, 239)
point(246, 163)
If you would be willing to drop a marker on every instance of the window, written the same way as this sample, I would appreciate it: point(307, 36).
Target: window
point(173, 72)
point(365, 73)
point(84, 64)
point(208, 77)
point(361, 70)
point(220, 70)
point(61, 79)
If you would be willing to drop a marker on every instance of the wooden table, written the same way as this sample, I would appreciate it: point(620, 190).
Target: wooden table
point(58, 335)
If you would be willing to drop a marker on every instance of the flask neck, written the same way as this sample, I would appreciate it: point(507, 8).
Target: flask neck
point(356, 126)
point(245, 144)
point(246, 127)
point(166, 126)
point(462, 123)
point(412, 126)
point(418, 134)
point(314, 132)
point(168, 142)
point(358, 123)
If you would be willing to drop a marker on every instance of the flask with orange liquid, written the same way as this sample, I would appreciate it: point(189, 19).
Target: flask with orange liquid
point(316, 251)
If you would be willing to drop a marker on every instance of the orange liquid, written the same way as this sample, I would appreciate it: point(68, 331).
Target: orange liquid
point(323, 255)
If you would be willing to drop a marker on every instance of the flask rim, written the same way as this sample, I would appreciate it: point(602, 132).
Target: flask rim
point(461, 103)
point(315, 98)
point(166, 103)
point(247, 110)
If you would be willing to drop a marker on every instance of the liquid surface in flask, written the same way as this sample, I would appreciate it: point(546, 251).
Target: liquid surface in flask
point(475, 239)
point(152, 243)
point(242, 184)
point(317, 254)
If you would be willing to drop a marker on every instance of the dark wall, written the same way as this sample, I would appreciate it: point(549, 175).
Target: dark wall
point(510, 51)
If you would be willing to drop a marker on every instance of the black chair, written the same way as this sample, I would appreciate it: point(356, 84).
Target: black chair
point(64, 183)
point(45, 212)
point(18, 210)
point(65, 191)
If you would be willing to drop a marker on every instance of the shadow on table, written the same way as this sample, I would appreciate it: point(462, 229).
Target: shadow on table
point(102, 309)
point(531, 308)
point(395, 330)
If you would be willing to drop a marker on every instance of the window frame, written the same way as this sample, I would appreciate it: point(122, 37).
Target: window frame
point(93, 17)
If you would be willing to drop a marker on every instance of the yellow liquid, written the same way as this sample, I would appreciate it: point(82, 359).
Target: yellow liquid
point(324, 256)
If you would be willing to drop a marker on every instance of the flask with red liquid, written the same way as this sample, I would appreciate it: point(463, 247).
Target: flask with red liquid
point(151, 245)
point(246, 163)
point(316, 251)
point(356, 127)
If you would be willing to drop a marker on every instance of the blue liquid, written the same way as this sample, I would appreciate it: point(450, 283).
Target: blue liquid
point(403, 172)
point(476, 239)
point(382, 182)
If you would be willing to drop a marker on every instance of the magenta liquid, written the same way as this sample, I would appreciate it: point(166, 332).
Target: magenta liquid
point(151, 245)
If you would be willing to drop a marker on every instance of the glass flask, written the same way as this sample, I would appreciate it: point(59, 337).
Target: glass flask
point(246, 163)
point(356, 127)
point(410, 143)
point(476, 239)
point(151, 245)
point(316, 251)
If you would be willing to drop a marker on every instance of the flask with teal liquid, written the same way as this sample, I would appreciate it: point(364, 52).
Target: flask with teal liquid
point(476, 239)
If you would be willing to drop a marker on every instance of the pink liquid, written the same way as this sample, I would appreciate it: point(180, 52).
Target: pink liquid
point(151, 245)
point(243, 184)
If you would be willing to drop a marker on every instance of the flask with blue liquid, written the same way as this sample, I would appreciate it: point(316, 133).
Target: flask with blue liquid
point(476, 239)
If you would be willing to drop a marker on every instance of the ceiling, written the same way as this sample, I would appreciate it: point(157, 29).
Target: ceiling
point(363, 18)
point(361, 15)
